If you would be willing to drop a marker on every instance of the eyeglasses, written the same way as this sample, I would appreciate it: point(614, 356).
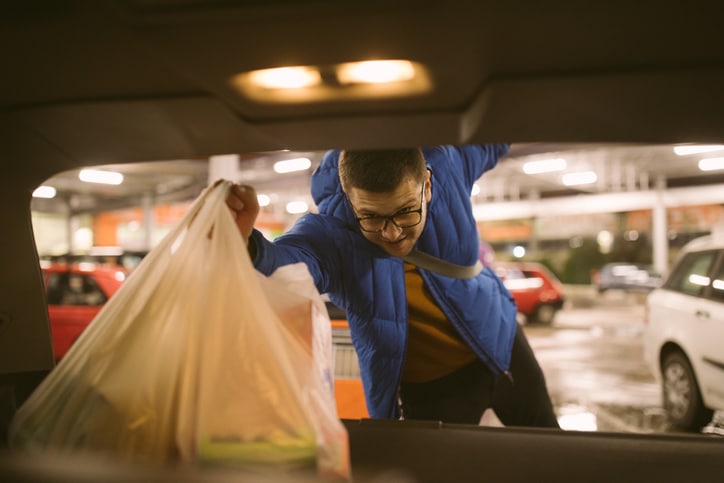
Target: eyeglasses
point(402, 219)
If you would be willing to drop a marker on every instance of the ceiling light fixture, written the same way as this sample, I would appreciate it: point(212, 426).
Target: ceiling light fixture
point(711, 164)
point(263, 199)
point(100, 176)
point(544, 166)
point(44, 192)
point(697, 149)
point(373, 79)
point(297, 207)
point(291, 165)
point(583, 177)
point(375, 72)
point(285, 77)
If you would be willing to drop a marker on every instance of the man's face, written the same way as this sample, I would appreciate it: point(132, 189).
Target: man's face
point(409, 196)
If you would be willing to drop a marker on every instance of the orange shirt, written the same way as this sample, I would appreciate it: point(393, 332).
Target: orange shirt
point(434, 348)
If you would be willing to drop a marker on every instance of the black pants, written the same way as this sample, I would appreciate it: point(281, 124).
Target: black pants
point(463, 396)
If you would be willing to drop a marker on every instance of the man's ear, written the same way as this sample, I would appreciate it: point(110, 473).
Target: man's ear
point(428, 185)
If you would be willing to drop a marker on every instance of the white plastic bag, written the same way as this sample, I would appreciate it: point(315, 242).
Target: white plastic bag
point(198, 357)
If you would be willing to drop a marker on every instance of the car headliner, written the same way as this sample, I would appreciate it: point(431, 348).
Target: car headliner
point(100, 82)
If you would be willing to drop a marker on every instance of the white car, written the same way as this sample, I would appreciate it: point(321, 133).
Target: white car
point(684, 338)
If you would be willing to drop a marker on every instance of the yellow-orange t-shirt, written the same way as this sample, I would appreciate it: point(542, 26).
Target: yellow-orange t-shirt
point(434, 348)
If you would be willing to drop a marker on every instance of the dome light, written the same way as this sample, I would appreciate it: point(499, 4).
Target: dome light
point(285, 77)
point(375, 72)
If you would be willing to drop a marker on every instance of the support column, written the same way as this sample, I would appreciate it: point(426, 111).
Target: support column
point(533, 246)
point(72, 226)
point(224, 166)
point(149, 220)
point(69, 244)
point(659, 229)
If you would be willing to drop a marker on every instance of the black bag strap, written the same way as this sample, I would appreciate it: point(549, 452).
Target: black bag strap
point(438, 265)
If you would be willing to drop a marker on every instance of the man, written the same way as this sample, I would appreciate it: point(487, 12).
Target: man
point(430, 346)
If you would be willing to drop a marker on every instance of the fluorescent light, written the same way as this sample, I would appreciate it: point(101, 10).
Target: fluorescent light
point(263, 199)
point(697, 148)
point(297, 207)
point(583, 177)
point(544, 166)
point(375, 72)
point(101, 177)
point(291, 165)
point(285, 77)
point(44, 192)
point(711, 164)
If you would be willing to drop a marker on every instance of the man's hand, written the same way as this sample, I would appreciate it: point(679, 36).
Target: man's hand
point(244, 208)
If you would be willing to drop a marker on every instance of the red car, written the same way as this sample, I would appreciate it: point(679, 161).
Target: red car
point(75, 294)
point(537, 291)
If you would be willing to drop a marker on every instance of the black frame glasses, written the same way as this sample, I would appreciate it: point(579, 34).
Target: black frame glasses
point(404, 219)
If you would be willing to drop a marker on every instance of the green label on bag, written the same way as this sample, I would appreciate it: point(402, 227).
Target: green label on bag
point(301, 452)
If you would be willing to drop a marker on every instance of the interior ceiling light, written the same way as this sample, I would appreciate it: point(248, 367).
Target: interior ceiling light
point(711, 164)
point(583, 177)
point(697, 149)
point(44, 192)
point(375, 72)
point(291, 165)
point(369, 79)
point(285, 77)
point(544, 166)
point(100, 176)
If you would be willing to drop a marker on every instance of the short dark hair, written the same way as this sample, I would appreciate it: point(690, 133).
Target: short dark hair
point(380, 170)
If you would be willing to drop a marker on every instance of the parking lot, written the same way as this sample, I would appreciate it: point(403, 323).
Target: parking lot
point(592, 358)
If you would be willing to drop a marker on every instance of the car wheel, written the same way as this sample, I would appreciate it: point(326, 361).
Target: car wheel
point(681, 396)
point(544, 314)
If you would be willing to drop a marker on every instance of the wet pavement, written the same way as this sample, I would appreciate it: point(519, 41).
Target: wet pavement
point(592, 359)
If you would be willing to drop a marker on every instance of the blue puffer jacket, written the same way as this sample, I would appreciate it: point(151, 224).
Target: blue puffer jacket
point(370, 285)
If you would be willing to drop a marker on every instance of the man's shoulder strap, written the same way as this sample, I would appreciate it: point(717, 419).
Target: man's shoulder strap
point(438, 265)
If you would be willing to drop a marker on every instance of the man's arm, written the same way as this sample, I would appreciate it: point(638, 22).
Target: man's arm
point(482, 157)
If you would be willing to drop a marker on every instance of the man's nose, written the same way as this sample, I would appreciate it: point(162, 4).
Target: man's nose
point(391, 231)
